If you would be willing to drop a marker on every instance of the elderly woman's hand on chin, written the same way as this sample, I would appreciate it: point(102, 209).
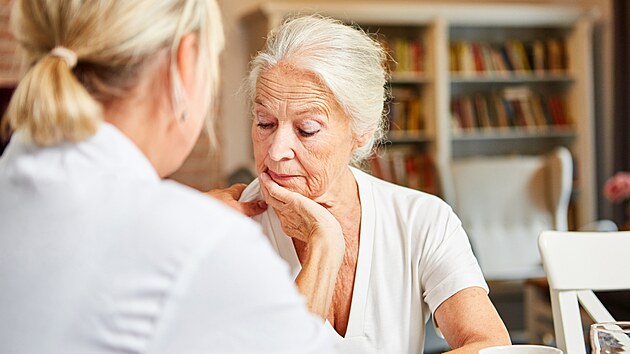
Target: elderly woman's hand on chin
point(302, 218)
point(306, 221)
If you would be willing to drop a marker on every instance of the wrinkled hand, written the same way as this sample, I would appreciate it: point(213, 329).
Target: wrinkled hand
point(617, 187)
point(230, 195)
point(301, 217)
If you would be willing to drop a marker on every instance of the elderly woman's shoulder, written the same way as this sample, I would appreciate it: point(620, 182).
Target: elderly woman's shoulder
point(395, 191)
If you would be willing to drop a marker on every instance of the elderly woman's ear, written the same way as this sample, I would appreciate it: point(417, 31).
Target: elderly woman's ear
point(363, 139)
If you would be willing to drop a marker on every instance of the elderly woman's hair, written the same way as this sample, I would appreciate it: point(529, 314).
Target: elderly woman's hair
point(113, 41)
point(346, 59)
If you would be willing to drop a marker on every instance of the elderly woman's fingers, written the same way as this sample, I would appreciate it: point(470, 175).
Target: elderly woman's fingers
point(274, 193)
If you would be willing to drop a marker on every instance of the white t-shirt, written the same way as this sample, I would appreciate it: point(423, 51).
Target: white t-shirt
point(413, 255)
point(99, 255)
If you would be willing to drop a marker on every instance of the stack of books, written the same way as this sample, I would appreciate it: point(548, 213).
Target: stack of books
point(404, 166)
point(470, 58)
point(405, 110)
point(408, 55)
point(510, 107)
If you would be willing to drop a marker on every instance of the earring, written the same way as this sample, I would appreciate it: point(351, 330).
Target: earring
point(183, 116)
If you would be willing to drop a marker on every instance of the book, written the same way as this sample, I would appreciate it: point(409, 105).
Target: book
point(498, 62)
point(405, 110)
point(555, 55)
point(466, 59)
point(538, 63)
point(469, 119)
point(519, 54)
point(475, 48)
point(538, 112)
point(483, 115)
point(500, 110)
point(506, 58)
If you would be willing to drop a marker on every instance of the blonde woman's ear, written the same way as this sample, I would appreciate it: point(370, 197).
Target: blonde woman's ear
point(187, 60)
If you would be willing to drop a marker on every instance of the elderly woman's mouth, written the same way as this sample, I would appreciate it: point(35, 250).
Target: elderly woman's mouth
point(280, 177)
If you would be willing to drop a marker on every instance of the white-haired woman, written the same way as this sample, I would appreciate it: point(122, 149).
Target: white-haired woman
point(97, 253)
point(317, 92)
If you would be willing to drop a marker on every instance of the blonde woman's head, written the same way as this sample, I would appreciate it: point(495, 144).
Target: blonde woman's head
point(113, 41)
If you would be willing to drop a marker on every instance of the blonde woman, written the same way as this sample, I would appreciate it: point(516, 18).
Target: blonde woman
point(97, 253)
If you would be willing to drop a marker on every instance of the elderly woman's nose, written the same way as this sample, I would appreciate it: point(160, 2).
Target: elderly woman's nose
point(281, 147)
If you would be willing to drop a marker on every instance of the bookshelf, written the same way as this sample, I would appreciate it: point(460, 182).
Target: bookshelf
point(479, 79)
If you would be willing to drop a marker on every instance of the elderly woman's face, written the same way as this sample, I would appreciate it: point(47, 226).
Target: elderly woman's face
point(302, 137)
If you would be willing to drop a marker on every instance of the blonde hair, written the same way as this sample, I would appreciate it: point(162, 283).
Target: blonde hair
point(346, 59)
point(112, 39)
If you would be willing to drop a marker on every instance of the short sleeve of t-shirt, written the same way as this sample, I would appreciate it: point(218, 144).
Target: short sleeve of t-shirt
point(447, 264)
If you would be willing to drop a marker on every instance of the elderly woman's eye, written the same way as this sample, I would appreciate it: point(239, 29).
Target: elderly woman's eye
point(306, 133)
point(265, 125)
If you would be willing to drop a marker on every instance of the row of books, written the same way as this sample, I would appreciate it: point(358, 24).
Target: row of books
point(404, 166)
point(405, 111)
point(511, 107)
point(539, 57)
point(408, 54)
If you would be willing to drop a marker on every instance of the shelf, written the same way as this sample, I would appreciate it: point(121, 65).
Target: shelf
point(409, 78)
point(510, 78)
point(402, 137)
point(512, 134)
point(516, 141)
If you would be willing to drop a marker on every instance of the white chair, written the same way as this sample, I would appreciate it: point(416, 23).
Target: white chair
point(577, 263)
point(504, 203)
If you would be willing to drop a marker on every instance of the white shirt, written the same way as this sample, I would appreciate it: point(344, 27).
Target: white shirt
point(413, 255)
point(99, 255)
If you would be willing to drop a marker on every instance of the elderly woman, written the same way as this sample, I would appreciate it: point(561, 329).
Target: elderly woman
point(372, 258)
point(98, 254)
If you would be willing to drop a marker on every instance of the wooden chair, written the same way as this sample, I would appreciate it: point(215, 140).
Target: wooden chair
point(577, 263)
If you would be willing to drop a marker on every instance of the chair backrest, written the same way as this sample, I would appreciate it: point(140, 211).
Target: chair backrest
point(577, 263)
point(504, 203)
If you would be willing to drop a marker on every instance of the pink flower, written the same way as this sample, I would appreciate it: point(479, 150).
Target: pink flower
point(617, 187)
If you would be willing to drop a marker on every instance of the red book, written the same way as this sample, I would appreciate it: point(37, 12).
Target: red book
point(478, 57)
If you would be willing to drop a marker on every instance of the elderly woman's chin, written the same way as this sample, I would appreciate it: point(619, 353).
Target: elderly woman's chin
point(297, 183)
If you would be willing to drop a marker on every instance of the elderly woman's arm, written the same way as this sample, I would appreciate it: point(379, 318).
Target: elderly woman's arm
point(469, 322)
point(311, 223)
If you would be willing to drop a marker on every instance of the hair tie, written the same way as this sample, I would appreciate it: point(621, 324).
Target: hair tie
point(66, 54)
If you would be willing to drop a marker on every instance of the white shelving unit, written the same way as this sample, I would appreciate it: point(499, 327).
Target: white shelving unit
point(436, 25)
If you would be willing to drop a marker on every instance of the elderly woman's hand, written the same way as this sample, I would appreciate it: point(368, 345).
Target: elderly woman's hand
point(309, 222)
point(230, 195)
point(301, 217)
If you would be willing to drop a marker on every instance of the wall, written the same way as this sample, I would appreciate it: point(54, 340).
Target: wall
point(9, 72)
